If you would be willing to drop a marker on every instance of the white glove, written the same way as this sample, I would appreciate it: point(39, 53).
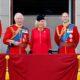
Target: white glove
point(16, 43)
point(27, 49)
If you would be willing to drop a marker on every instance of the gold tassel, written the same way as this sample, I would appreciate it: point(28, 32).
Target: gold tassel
point(7, 72)
point(78, 75)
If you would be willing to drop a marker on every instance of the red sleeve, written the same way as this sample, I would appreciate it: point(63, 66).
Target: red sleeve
point(76, 35)
point(0, 29)
point(7, 36)
point(31, 41)
point(56, 37)
point(49, 39)
point(27, 37)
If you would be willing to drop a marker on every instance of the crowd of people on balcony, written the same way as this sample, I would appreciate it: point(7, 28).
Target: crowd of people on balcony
point(66, 36)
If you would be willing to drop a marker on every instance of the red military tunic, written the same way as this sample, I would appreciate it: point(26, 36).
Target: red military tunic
point(0, 29)
point(24, 40)
point(73, 40)
point(41, 41)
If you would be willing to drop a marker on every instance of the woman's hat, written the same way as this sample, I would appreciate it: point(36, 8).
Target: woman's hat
point(40, 17)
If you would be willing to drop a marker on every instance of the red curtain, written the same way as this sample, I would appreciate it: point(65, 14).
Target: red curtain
point(2, 67)
point(40, 67)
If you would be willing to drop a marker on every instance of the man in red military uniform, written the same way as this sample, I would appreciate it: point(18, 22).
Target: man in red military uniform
point(17, 36)
point(66, 36)
point(0, 29)
point(40, 37)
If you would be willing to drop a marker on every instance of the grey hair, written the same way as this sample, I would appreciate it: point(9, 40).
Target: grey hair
point(20, 14)
point(37, 22)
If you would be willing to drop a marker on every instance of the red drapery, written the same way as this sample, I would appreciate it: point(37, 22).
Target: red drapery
point(40, 67)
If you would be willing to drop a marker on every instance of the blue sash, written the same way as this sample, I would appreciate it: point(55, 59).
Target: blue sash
point(66, 35)
point(17, 37)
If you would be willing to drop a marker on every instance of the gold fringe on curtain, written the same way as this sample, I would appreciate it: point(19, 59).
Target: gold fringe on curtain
point(78, 75)
point(7, 72)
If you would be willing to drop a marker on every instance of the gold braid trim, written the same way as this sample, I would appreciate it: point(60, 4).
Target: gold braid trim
point(62, 31)
point(15, 32)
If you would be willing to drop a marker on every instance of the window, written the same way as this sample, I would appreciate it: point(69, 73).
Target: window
point(33, 7)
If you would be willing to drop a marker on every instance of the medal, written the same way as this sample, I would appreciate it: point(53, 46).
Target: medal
point(24, 31)
point(70, 36)
point(71, 40)
point(24, 38)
